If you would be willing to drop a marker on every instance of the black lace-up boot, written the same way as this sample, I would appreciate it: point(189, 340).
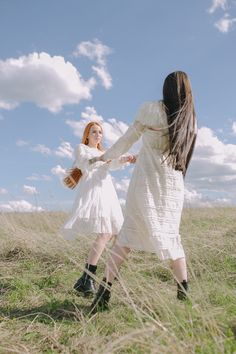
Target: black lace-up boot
point(100, 303)
point(182, 289)
point(85, 285)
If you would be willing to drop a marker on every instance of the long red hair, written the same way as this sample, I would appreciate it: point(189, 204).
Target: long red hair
point(74, 174)
point(86, 132)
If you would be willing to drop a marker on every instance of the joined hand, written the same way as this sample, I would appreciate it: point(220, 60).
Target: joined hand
point(129, 158)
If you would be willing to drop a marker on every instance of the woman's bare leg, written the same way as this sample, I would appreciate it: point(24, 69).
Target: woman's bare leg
point(97, 248)
point(117, 256)
point(180, 269)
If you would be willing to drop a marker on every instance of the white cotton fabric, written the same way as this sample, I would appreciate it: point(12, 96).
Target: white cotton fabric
point(96, 208)
point(156, 192)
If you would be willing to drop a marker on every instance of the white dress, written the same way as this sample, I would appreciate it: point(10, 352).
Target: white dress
point(96, 208)
point(156, 192)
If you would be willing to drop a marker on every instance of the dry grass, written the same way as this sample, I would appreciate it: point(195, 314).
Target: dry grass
point(39, 313)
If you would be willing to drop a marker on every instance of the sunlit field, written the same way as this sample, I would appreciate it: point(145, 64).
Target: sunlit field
point(40, 313)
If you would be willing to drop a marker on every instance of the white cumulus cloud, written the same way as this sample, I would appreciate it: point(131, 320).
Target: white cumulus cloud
point(194, 199)
point(122, 184)
point(113, 129)
point(77, 127)
point(3, 191)
point(19, 206)
point(122, 201)
point(90, 114)
point(225, 24)
point(192, 196)
point(48, 81)
point(212, 171)
point(234, 128)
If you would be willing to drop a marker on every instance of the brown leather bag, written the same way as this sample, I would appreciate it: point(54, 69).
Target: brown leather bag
point(72, 178)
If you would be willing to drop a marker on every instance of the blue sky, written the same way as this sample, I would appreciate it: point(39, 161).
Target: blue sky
point(63, 63)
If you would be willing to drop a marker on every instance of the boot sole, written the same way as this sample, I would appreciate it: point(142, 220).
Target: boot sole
point(83, 293)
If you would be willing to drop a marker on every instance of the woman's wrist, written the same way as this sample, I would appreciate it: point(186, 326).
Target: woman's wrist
point(93, 160)
point(96, 159)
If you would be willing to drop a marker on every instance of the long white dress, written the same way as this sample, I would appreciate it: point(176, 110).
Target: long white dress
point(96, 208)
point(156, 191)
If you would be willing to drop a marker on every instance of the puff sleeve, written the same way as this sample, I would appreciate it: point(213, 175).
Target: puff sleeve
point(125, 142)
point(82, 157)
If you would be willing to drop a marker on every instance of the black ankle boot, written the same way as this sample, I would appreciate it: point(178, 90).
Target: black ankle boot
point(85, 285)
point(100, 303)
point(182, 289)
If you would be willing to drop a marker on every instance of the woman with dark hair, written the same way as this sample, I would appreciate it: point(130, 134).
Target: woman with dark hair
point(96, 210)
point(156, 192)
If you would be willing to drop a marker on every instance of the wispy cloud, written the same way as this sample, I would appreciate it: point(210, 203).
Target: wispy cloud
point(63, 150)
point(216, 4)
point(48, 81)
point(97, 52)
point(113, 130)
point(42, 149)
point(21, 142)
point(58, 171)
point(30, 190)
point(104, 76)
point(226, 22)
point(37, 177)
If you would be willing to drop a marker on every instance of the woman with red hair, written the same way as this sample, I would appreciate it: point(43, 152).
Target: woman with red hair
point(96, 210)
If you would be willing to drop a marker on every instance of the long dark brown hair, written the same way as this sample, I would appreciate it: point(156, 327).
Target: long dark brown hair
point(181, 118)
point(74, 174)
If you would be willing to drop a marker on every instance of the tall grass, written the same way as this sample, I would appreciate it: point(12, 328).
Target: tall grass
point(39, 312)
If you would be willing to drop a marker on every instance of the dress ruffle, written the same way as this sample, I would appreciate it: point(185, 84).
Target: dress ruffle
point(91, 226)
point(96, 208)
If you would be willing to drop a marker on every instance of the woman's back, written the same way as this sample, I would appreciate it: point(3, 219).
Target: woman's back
point(155, 135)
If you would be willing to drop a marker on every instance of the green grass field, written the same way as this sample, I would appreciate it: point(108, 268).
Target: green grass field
point(39, 313)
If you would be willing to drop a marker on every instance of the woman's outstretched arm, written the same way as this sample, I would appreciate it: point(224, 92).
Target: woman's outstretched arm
point(123, 144)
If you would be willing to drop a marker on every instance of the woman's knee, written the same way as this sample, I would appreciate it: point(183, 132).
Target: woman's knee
point(104, 237)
